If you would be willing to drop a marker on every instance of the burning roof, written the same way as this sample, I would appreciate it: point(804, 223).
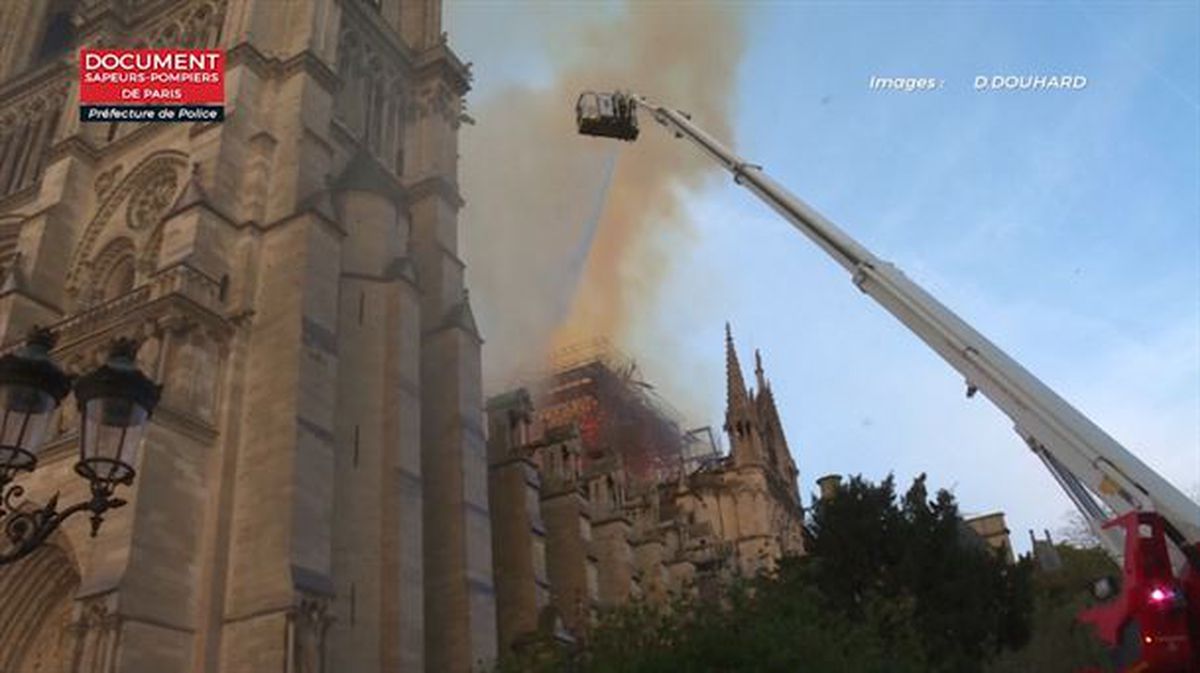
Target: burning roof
point(599, 389)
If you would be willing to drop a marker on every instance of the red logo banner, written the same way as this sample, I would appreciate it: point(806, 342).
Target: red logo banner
point(151, 76)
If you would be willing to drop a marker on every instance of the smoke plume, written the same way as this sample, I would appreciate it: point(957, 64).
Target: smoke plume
point(569, 237)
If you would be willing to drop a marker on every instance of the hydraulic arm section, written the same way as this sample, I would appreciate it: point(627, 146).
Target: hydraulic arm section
point(1101, 477)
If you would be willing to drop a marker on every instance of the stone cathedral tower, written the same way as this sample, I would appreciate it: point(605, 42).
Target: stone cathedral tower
point(311, 495)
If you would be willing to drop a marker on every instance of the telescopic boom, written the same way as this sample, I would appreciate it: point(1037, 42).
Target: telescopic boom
point(1101, 477)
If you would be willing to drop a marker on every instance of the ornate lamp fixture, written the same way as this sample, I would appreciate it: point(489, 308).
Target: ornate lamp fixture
point(115, 401)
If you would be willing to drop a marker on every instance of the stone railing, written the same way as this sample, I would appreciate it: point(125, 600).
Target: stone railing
point(167, 287)
point(103, 313)
point(188, 282)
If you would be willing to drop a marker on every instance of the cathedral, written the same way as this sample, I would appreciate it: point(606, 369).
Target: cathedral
point(320, 489)
point(597, 498)
point(311, 495)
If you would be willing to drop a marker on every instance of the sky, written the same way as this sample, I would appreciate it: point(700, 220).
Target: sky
point(1063, 225)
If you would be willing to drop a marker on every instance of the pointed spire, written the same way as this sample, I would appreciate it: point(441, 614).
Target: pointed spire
point(759, 377)
point(736, 397)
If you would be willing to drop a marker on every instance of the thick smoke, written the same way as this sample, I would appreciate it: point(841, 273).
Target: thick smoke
point(569, 237)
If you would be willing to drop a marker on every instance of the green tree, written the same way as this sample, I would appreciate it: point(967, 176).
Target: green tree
point(1060, 643)
point(890, 585)
point(774, 624)
point(968, 603)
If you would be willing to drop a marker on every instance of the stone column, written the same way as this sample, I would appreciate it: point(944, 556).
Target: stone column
point(460, 611)
point(568, 536)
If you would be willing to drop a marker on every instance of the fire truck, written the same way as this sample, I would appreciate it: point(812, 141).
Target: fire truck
point(1150, 616)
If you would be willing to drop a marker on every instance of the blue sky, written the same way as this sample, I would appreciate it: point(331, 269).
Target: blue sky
point(1065, 225)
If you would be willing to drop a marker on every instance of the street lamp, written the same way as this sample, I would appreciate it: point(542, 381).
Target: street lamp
point(115, 401)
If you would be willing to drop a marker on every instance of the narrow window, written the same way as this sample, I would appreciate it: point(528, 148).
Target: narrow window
point(120, 278)
point(362, 302)
point(356, 446)
point(58, 36)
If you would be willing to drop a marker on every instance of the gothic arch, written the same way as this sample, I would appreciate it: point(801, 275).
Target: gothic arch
point(113, 271)
point(154, 192)
point(37, 608)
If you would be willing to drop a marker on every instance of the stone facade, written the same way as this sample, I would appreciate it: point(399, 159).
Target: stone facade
point(312, 491)
point(605, 534)
point(993, 529)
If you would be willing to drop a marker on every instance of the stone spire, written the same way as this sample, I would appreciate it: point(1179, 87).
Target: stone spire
point(770, 425)
point(741, 420)
point(764, 399)
point(759, 378)
point(737, 400)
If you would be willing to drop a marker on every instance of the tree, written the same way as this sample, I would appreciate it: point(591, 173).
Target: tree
point(967, 603)
point(765, 624)
point(889, 585)
point(1060, 643)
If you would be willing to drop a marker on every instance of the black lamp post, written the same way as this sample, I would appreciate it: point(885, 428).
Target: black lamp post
point(115, 401)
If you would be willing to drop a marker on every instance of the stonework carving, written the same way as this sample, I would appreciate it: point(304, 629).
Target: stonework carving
point(114, 260)
point(147, 174)
point(28, 125)
point(48, 653)
point(34, 617)
point(97, 636)
point(151, 200)
point(194, 26)
point(106, 180)
point(309, 623)
point(372, 102)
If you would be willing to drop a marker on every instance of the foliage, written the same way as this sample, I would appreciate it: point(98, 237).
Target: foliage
point(889, 584)
point(1060, 643)
point(764, 624)
point(968, 603)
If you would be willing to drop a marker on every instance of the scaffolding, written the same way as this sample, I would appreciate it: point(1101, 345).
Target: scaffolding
point(599, 389)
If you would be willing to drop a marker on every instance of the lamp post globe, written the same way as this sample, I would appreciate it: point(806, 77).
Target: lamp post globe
point(31, 388)
point(115, 402)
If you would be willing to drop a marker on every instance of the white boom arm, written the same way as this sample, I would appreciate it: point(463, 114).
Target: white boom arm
point(1087, 462)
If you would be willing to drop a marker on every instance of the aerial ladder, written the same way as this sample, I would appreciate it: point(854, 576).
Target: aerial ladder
point(1152, 623)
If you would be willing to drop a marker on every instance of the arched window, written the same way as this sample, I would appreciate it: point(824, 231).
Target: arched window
point(35, 633)
point(120, 278)
point(113, 273)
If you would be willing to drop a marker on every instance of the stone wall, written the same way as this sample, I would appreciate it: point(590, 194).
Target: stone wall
point(312, 492)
